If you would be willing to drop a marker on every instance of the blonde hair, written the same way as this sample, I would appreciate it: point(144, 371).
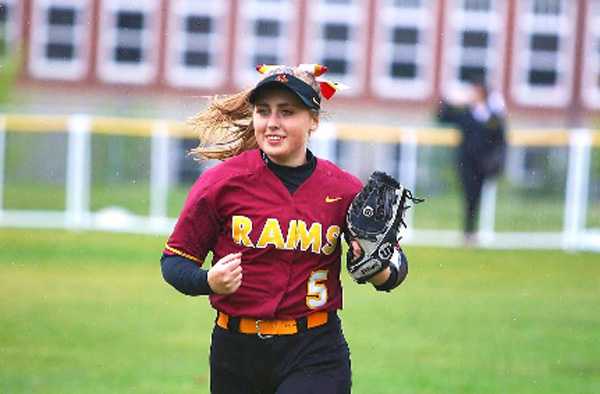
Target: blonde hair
point(225, 128)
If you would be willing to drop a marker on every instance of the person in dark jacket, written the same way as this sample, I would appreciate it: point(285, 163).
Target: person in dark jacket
point(482, 150)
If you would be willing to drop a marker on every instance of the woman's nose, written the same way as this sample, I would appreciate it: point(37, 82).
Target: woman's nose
point(273, 122)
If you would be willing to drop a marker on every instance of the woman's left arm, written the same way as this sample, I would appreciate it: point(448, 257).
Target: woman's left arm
point(393, 275)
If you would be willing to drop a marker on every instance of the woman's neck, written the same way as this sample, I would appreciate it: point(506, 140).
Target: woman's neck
point(292, 162)
point(307, 159)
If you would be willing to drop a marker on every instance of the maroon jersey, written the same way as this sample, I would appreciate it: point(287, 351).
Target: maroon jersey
point(290, 243)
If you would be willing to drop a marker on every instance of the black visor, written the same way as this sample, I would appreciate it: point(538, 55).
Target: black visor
point(304, 91)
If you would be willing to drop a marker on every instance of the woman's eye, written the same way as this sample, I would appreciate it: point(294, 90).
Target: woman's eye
point(287, 112)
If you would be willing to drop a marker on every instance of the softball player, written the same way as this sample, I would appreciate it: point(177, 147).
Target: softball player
point(272, 214)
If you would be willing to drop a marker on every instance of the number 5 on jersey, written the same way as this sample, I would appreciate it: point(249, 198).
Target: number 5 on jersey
point(316, 295)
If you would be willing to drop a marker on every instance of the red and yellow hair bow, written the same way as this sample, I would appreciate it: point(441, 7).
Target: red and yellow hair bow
point(328, 88)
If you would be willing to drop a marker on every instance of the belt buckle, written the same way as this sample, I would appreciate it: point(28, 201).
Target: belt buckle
point(259, 334)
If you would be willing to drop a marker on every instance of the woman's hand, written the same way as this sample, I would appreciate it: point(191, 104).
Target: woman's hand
point(225, 277)
point(380, 277)
point(357, 251)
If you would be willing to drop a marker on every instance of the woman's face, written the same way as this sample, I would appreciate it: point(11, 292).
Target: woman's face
point(479, 94)
point(282, 125)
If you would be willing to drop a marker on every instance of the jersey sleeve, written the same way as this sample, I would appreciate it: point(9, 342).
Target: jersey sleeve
point(197, 227)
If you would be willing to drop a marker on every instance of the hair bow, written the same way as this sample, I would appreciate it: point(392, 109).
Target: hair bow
point(328, 88)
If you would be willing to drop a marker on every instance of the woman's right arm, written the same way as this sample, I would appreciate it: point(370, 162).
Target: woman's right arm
point(225, 277)
point(185, 275)
point(448, 113)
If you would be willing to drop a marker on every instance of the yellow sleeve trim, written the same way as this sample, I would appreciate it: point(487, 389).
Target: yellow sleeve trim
point(183, 254)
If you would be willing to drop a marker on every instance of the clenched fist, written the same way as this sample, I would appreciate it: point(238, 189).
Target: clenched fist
point(225, 277)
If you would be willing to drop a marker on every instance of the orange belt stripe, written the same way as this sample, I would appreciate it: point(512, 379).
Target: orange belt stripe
point(273, 327)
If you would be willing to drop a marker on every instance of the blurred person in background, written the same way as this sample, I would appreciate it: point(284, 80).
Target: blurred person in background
point(480, 118)
point(272, 214)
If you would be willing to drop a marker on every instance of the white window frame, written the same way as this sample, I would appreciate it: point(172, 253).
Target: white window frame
point(460, 20)
point(179, 40)
point(140, 73)
point(355, 15)
point(247, 42)
point(564, 26)
point(12, 26)
point(42, 67)
point(387, 18)
point(591, 58)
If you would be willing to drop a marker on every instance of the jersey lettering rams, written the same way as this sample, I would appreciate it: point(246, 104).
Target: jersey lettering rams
point(299, 235)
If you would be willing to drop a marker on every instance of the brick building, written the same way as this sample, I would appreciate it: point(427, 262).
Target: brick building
point(399, 56)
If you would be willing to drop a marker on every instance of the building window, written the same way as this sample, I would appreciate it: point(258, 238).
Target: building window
point(196, 43)
point(128, 45)
point(403, 51)
point(267, 36)
point(473, 44)
point(9, 16)
point(197, 28)
point(336, 38)
point(591, 73)
point(547, 7)
point(478, 5)
point(59, 39)
point(545, 36)
point(408, 3)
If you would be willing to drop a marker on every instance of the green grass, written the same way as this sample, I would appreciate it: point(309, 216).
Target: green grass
point(37, 197)
point(593, 216)
point(135, 197)
point(89, 313)
point(514, 212)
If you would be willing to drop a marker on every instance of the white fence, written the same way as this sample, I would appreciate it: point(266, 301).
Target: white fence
point(77, 214)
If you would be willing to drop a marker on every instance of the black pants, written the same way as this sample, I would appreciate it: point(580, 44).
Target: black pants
point(314, 361)
point(472, 179)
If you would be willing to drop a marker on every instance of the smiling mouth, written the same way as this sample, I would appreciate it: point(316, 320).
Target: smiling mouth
point(274, 138)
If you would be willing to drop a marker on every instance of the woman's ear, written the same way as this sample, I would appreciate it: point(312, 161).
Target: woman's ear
point(314, 123)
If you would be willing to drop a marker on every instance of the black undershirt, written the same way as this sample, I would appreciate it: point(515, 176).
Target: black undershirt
point(186, 276)
point(292, 177)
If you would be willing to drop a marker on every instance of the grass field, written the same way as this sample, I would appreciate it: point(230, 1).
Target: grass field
point(89, 313)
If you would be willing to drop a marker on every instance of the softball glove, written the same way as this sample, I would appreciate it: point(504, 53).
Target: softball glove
point(374, 220)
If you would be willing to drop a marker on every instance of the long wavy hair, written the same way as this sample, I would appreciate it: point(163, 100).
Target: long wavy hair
point(225, 128)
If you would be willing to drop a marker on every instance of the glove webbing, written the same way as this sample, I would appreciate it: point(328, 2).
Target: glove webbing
point(407, 195)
